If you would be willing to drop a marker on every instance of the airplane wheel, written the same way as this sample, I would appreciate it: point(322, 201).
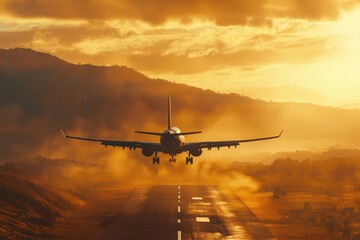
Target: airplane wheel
point(156, 160)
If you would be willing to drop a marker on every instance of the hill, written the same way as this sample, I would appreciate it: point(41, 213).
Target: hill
point(28, 209)
point(40, 94)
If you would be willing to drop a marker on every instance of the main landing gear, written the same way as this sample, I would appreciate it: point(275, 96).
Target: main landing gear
point(189, 159)
point(172, 159)
point(156, 159)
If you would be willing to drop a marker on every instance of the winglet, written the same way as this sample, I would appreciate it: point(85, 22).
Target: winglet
point(63, 133)
point(280, 133)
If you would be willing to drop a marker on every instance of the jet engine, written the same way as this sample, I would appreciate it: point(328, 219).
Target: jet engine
point(147, 152)
point(196, 152)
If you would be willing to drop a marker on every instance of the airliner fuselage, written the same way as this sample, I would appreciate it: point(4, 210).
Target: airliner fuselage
point(171, 141)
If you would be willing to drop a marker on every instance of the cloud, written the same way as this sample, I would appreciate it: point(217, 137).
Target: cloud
point(153, 11)
point(229, 12)
point(172, 47)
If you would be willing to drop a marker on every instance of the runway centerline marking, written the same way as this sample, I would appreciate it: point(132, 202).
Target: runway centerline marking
point(197, 198)
point(178, 208)
point(179, 221)
point(179, 187)
point(203, 219)
point(179, 235)
point(178, 196)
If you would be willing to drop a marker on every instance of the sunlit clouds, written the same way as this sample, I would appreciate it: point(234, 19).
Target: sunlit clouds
point(274, 50)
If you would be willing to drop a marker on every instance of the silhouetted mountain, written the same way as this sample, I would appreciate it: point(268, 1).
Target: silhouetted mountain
point(26, 58)
point(40, 94)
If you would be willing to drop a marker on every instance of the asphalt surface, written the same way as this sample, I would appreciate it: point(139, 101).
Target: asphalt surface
point(163, 212)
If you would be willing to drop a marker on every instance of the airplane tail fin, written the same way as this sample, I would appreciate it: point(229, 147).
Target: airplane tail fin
point(169, 112)
point(169, 125)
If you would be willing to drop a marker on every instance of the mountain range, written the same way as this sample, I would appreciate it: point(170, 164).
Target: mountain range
point(41, 94)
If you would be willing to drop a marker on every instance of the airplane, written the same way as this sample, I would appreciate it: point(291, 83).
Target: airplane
point(172, 142)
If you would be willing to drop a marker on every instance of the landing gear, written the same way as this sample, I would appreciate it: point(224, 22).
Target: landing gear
point(189, 159)
point(172, 159)
point(156, 159)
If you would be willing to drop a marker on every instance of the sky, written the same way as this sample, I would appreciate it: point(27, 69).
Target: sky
point(278, 50)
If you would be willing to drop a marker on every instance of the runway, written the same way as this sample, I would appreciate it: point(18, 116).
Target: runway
point(163, 212)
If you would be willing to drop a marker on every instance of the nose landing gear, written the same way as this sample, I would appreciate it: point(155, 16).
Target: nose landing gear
point(172, 159)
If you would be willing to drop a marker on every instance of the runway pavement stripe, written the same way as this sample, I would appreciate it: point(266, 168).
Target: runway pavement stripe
point(178, 208)
point(197, 198)
point(203, 219)
point(179, 221)
point(179, 235)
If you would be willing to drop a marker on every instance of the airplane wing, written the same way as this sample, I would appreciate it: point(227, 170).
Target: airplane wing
point(219, 144)
point(123, 144)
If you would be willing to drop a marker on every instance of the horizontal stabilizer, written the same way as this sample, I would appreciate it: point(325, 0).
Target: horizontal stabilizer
point(150, 133)
point(188, 133)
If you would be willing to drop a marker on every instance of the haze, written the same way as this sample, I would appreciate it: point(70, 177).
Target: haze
point(276, 50)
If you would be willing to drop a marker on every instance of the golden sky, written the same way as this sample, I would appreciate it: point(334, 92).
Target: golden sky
point(280, 50)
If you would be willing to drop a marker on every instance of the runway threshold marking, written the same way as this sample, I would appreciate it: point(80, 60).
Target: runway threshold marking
point(179, 235)
point(203, 219)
